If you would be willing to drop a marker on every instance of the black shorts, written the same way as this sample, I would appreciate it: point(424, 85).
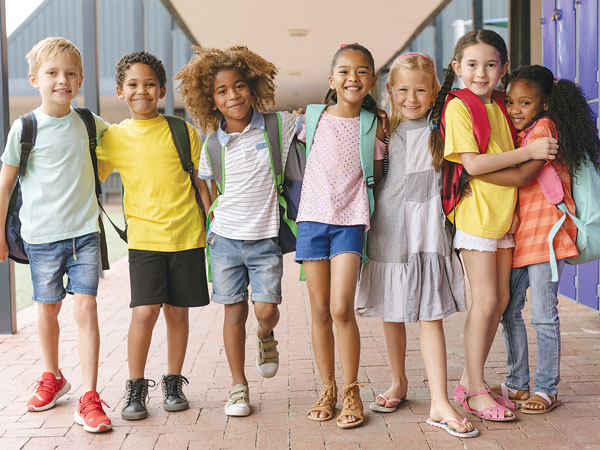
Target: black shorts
point(175, 278)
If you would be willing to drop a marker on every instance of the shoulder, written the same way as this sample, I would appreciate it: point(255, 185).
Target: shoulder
point(543, 127)
point(457, 106)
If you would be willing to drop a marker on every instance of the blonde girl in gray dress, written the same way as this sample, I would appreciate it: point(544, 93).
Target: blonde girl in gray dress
point(412, 274)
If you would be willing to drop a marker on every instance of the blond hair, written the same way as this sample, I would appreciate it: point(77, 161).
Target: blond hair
point(49, 48)
point(411, 61)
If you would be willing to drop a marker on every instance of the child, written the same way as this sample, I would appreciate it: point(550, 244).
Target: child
point(536, 102)
point(409, 216)
point(165, 229)
point(483, 219)
point(228, 91)
point(332, 218)
point(59, 223)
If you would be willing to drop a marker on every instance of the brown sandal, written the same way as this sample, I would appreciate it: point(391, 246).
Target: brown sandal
point(327, 401)
point(352, 406)
point(548, 402)
point(517, 397)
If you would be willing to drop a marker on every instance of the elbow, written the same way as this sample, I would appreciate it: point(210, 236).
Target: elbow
point(473, 169)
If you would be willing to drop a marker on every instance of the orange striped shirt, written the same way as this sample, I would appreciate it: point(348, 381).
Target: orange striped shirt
point(537, 215)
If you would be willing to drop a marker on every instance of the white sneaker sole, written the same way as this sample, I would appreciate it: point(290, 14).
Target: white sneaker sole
point(237, 410)
point(267, 370)
point(99, 429)
point(47, 406)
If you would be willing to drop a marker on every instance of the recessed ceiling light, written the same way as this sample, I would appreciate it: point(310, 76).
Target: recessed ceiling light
point(297, 32)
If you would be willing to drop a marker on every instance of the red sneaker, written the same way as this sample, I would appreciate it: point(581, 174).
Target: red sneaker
point(90, 413)
point(47, 390)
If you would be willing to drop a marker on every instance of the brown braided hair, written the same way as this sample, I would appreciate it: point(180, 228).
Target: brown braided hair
point(436, 142)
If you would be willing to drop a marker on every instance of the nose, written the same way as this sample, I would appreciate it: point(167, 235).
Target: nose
point(480, 70)
point(233, 94)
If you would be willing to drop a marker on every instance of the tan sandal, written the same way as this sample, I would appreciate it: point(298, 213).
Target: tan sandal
point(353, 406)
point(549, 402)
point(516, 396)
point(326, 403)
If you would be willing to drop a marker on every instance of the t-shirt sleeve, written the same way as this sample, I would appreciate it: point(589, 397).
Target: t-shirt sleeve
point(543, 128)
point(101, 126)
point(195, 145)
point(105, 165)
point(12, 151)
point(459, 137)
point(379, 150)
point(204, 169)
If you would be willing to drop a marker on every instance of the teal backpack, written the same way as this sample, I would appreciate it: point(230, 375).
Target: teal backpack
point(368, 132)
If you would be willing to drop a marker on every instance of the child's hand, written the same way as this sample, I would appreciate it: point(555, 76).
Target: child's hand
point(385, 123)
point(466, 190)
point(515, 223)
point(298, 111)
point(543, 148)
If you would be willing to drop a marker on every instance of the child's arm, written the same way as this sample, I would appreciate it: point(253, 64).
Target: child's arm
point(204, 193)
point(514, 176)
point(378, 163)
point(8, 176)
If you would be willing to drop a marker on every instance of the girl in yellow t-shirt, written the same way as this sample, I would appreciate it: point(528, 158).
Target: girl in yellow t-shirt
point(483, 219)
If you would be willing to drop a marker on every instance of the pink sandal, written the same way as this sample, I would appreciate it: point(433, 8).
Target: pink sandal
point(494, 413)
point(460, 392)
point(386, 409)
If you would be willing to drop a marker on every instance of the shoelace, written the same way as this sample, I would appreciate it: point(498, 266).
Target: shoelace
point(92, 404)
point(51, 386)
point(351, 399)
point(139, 389)
point(173, 384)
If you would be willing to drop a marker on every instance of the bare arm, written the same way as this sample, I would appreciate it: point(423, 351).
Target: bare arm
point(514, 176)
point(378, 163)
point(478, 164)
point(204, 193)
point(8, 176)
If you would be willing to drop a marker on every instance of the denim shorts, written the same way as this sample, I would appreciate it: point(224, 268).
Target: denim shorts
point(235, 264)
point(318, 240)
point(78, 258)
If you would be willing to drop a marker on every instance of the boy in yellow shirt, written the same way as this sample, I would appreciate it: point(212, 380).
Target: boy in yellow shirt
point(165, 228)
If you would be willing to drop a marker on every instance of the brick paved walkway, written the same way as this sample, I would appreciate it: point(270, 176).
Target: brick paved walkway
point(279, 404)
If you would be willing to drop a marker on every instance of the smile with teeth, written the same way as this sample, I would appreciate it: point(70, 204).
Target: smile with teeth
point(352, 88)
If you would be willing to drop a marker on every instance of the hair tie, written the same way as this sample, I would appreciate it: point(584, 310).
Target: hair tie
point(354, 43)
point(433, 127)
point(556, 80)
point(415, 54)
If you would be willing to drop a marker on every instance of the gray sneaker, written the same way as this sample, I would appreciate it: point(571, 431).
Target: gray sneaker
point(173, 397)
point(134, 407)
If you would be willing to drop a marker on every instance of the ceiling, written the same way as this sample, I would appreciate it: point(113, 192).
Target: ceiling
point(383, 26)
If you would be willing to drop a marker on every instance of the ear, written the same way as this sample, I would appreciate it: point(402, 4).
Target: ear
point(504, 69)
point(388, 88)
point(456, 67)
point(163, 91)
point(331, 85)
point(33, 80)
point(119, 90)
point(80, 81)
point(373, 82)
point(546, 107)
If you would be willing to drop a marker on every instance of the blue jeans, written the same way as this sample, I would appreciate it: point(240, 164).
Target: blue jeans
point(545, 321)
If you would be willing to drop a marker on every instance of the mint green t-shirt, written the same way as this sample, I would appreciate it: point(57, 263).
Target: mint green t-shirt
point(59, 197)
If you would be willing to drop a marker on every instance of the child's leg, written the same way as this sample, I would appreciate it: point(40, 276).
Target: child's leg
point(88, 339)
point(234, 338)
point(317, 281)
point(267, 316)
point(395, 343)
point(481, 270)
point(143, 319)
point(344, 275)
point(49, 333)
point(178, 326)
point(433, 351)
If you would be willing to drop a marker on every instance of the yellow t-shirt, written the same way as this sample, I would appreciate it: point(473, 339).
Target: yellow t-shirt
point(160, 204)
point(489, 210)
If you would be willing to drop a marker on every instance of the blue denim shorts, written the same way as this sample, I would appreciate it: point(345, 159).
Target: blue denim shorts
point(318, 240)
point(78, 258)
point(235, 264)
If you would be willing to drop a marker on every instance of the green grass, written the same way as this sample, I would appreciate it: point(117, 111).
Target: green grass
point(116, 250)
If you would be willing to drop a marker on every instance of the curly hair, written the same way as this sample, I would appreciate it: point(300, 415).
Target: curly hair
point(489, 37)
point(369, 102)
point(570, 112)
point(144, 58)
point(197, 81)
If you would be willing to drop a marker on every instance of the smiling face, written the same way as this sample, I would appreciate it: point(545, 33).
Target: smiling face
point(524, 102)
point(232, 97)
point(141, 91)
point(412, 94)
point(58, 79)
point(352, 78)
point(480, 69)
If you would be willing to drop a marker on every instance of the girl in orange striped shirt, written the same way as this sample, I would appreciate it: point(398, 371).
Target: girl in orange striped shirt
point(541, 106)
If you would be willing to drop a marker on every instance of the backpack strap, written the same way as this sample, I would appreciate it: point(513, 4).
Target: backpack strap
point(274, 141)
point(213, 150)
point(311, 121)
point(479, 117)
point(368, 132)
point(28, 133)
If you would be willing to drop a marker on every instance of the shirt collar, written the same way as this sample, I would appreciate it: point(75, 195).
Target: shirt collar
point(257, 121)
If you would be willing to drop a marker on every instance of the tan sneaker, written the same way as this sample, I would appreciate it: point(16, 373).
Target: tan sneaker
point(239, 401)
point(267, 356)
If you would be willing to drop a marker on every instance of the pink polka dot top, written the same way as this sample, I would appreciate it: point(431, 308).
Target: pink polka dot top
point(334, 190)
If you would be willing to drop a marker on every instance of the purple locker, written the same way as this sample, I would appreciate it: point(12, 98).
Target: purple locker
point(587, 32)
point(565, 39)
point(567, 285)
point(548, 35)
point(588, 277)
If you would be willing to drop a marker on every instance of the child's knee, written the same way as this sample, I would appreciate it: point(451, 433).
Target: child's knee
point(176, 314)
point(342, 313)
point(48, 311)
point(85, 308)
point(236, 313)
point(265, 312)
point(145, 315)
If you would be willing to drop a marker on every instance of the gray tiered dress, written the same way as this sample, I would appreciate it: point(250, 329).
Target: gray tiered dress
point(412, 273)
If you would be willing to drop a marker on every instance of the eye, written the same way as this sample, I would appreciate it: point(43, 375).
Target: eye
point(240, 86)
point(525, 103)
point(421, 91)
point(471, 64)
point(508, 102)
point(492, 65)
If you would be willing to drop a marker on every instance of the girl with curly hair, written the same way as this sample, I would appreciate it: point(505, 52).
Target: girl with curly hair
point(227, 92)
point(537, 104)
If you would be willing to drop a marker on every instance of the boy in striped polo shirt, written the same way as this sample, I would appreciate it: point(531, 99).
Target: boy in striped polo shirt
point(226, 90)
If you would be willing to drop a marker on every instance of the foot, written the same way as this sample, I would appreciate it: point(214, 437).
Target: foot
point(437, 412)
point(396, 391)
point(134, 407)
point(47, 391)
point(267, 356)
point(239, 401)
point(482, 401)
point(352, 414)
point(517, 396)
point(540, 403)
point(323, 409)
point(90, 414)
point(173, 397)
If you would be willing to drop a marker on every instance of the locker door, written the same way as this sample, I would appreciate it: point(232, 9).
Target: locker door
point(587, 53)
point(567, 285)
point(587, 284)
point(565, 39)
point(549, 35)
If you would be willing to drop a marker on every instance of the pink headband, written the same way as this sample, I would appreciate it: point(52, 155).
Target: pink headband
point(354, 43)
point(415, 54)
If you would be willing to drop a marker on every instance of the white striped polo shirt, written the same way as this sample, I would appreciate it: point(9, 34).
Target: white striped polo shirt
point(248, 208)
